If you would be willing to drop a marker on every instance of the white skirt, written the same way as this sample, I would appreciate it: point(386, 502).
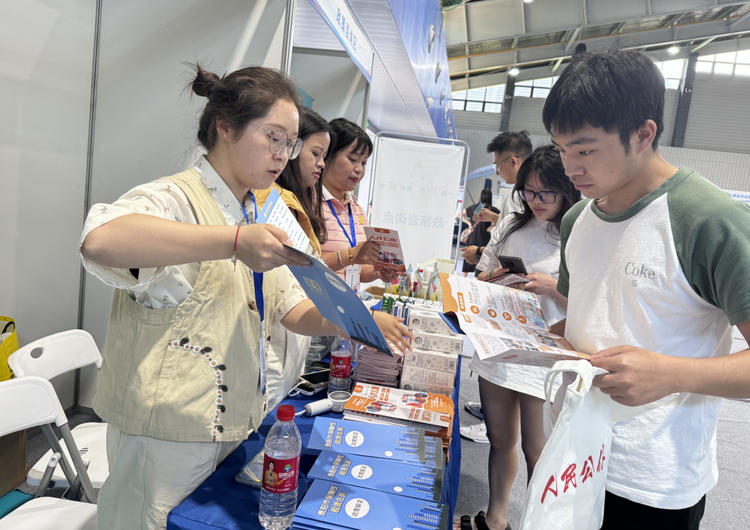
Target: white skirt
point(525, 379)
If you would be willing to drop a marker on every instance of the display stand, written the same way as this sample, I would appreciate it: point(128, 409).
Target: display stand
point(222, 503)
point(414, 189)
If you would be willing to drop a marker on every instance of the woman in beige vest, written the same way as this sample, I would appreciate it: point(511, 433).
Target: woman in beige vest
point(184, 375)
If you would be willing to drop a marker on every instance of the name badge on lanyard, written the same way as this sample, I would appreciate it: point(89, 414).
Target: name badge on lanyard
point(352, 271)
point(263, 339)
point(352, 277)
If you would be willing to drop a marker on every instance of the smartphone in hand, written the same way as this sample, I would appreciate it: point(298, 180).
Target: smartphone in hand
point(478, 208)
point(514, 264)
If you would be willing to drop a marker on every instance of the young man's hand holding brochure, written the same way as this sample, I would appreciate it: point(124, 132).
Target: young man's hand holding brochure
point(504, 324)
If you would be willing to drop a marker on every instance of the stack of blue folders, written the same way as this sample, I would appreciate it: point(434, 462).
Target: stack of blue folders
point(337, 506)
point(376, 477)
point(397, 443)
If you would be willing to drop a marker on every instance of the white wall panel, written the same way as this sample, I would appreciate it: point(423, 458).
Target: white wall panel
point(335, 83)
point(477, 141)
point(526, 114)
point(729, 171)
point(477, 121)
point(719, 116)
point(146, 124)
point(46, 51)
point(671, 101)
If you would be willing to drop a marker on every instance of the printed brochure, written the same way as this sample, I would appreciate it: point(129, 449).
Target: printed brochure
point(433, 412)
point(390, 254)
point(333, 298)
point(504, 324)
point(275, 212)
point(396, 478)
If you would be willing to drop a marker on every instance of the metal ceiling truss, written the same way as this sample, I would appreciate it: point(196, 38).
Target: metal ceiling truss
point(695, 28)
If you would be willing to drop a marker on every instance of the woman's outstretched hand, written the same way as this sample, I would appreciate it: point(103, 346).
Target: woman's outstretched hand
point(393, 330)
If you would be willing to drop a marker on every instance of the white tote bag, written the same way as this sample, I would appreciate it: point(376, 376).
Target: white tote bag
point(567, 488)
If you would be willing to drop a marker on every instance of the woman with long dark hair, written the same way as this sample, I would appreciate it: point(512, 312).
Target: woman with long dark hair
point(512, 394)
point(299, 182)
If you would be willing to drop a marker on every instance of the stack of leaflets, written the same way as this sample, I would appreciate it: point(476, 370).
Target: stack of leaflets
point(337, 506)
point(390, 406)
point(504, 324)
point(397, 478)
point(387, 442)
point(378, 368)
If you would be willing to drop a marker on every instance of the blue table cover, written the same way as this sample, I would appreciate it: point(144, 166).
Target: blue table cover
point(220, 502)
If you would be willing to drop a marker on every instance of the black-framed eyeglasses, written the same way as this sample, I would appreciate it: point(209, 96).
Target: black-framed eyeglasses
point(495, 166)
point(547, 197)
point(278, 140)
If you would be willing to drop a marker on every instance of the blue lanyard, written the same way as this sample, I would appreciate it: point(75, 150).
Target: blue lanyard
point(353, 239)
point(257, 276)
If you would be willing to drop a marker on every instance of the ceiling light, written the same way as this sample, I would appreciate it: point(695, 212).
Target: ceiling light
point(513, 71)
point(673, 49)
point(527, 1)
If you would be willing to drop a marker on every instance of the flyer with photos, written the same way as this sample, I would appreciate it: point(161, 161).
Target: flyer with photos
point(504, 324)
point(390, 255)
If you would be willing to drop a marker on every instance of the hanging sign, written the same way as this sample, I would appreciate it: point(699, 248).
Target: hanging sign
point(336, 13)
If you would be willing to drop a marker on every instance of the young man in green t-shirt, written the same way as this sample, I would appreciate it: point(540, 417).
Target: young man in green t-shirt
point(656, 268)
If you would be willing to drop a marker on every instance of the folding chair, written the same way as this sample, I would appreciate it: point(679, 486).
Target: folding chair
point(49, 357)
point(30, 402)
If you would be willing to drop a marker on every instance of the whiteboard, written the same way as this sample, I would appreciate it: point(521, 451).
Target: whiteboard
point(415, 191)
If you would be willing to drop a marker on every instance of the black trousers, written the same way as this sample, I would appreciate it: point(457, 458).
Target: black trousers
point(622, 514)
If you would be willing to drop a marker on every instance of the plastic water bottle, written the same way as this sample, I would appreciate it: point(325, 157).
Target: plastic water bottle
point(342, 358)
point(278, 494)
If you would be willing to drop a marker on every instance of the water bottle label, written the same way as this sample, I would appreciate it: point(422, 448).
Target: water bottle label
point(279, 474)
point(341, 366)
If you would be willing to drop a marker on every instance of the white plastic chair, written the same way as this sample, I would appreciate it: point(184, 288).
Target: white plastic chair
point(30, 402)
point(49, 357)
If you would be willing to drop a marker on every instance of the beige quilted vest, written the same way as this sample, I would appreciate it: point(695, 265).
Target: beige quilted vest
point(189, 373)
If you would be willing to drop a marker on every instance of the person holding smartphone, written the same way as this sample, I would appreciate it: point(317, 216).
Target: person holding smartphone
point(513, 394)
point(480, 234)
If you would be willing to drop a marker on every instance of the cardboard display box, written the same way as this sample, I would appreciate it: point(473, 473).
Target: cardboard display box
point(12, 461)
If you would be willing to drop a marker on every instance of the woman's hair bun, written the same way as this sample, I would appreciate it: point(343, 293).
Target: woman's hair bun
point(205, 82)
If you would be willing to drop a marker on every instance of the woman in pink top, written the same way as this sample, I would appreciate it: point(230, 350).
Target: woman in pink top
point(346, 250)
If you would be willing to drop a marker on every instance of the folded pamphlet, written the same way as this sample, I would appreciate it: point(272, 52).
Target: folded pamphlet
point(504, 324)
point(390, 254)
point(334, 299)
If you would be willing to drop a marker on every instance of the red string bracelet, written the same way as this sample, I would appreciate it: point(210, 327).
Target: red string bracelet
point(234, 257)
